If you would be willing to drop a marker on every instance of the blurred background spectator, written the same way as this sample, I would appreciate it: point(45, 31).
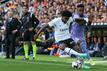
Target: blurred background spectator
point(96, 9)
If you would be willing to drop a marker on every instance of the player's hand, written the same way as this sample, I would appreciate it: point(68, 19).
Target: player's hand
point(14, 31)
point(30, 29)
point(22, 34)
point(35, 37)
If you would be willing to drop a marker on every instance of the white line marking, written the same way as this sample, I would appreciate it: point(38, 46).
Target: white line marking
point(47, 63)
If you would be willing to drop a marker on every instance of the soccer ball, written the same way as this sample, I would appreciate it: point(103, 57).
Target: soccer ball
point(77, 64)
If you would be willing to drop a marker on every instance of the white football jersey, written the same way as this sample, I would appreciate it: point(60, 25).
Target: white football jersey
point(61, 29)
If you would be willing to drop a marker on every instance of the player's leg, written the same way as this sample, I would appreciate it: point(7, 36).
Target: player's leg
point(25, 45)
point(81, 59)
point(83, 46)
point(7, 45)
point(70, 51)
point(76, 46)
point(34, 49)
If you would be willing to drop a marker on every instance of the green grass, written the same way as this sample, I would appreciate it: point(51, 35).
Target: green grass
point(46, 63)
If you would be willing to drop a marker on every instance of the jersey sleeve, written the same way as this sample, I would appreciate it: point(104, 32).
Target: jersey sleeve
point(52, 23)
point(70, 20)
point(86, 19)
point(35, 20)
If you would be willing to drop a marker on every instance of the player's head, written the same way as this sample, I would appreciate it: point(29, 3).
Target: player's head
point(80, 9)
point(25, 9)
point(65, 15)
point(10, 14)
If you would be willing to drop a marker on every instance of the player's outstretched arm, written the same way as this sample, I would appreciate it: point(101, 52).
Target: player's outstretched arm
point(38, 32)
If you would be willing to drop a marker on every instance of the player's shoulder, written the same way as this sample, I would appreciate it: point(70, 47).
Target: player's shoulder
point(85, 16)
point(75, 15)
point(70, 20)
point(57, 19)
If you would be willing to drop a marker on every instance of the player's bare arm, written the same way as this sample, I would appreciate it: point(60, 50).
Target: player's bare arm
point(38, 32)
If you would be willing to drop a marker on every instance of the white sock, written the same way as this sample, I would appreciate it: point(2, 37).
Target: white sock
point(71, 51)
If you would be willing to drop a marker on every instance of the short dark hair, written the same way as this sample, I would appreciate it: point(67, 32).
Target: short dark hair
point(80, 5)
point(26, 6)
point(66, 13)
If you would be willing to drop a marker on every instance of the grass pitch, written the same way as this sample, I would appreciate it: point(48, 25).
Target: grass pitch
point(47, 63)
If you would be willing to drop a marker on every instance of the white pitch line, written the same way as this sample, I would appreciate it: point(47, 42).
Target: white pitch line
point(46, 63)
point(100, 62)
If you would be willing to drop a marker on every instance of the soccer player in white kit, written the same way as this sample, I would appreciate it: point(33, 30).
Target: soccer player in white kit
point(62, 34)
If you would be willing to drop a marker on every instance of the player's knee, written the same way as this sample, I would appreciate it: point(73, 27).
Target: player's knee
point(25, 42)
point(72, 44)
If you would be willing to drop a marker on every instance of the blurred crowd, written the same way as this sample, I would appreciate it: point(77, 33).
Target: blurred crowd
point(48, 9)
point(96, 45)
